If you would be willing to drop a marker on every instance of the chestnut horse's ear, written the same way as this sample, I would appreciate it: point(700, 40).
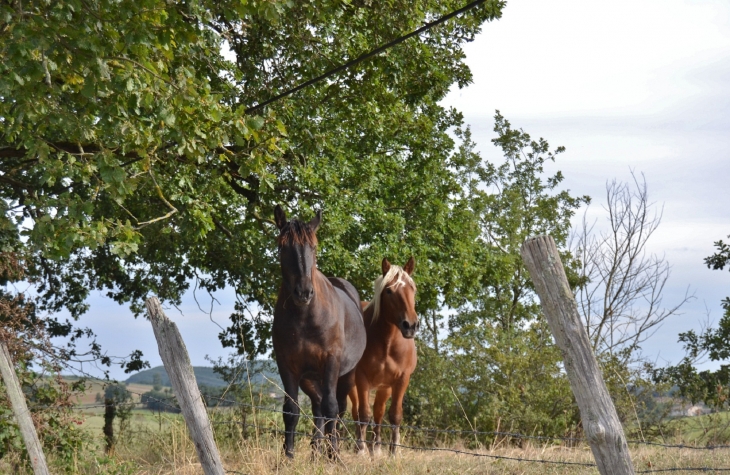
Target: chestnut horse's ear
point(410, 266)
point(386, 265)
point(279, 216)
point(316, 221)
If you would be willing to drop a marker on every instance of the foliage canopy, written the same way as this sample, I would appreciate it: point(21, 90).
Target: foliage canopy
point(129, 164)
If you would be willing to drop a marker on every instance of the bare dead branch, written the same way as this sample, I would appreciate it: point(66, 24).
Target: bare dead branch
point(621, 301)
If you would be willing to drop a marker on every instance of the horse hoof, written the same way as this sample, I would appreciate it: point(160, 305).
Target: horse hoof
point(361, 452)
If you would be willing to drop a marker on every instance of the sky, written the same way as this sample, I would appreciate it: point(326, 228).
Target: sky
point(625, 86)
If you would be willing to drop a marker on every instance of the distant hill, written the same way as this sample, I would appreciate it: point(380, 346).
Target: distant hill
point(205, 376)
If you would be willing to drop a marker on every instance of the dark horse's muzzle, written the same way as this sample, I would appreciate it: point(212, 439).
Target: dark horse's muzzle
point(303, 296)
point(303, 300)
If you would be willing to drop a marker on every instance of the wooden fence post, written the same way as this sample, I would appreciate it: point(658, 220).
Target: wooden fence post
point(177, 363)
point(20, 409)
point(110, 412)
point(600, 421)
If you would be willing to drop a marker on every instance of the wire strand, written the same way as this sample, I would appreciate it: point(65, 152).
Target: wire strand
point(365, 56)
point(440, 449)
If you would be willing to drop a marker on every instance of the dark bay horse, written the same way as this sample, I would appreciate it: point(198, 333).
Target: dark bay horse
point(390, 355)
point(318, 333)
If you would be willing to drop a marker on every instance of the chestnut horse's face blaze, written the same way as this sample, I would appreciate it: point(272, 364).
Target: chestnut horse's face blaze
point(297, 255)
point(398, 302)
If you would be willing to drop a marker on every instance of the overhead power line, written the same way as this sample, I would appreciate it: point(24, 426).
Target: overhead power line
point(365, 56)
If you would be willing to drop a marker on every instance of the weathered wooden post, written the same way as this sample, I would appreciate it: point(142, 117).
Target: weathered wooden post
point(600, 421)
point(20, 409)
point(177, 363)
point(110, 413)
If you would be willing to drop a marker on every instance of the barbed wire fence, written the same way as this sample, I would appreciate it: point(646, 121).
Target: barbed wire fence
point(213, 402)
point(221, 403)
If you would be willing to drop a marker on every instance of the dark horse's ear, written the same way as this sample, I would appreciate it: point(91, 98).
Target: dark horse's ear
point(315, 222)
point(279, 216)
point(410, 266)
point(386, 265)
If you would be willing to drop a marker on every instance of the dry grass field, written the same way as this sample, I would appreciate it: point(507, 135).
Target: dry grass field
point(158, 444)
point(174, 453)
point(147, 448)
point(253, 458)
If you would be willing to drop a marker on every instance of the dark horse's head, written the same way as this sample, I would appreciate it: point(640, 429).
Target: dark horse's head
point(297, 245)
point(395, 297)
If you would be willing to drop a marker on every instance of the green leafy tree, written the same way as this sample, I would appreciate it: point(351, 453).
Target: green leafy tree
point(496, 365)
point(708, 386)
point(160, 401)
point(721, 258)
point(520, 202)
point(38, 368)
point(131, 166)
point(156, 382)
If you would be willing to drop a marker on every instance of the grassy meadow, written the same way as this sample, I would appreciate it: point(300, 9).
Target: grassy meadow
point(157, 444)
point(152, 443)
point(146, 450)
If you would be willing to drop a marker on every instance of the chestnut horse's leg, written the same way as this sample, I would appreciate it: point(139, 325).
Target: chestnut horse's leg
point(395, 413)
point(381, 397)
point(363, 412)
point(312, 390)
point(291, 410)
point(344, 386)
point(355, 403)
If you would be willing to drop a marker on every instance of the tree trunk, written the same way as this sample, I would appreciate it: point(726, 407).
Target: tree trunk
point(110, 412)
point(22, 414)
point(177, 363)
point(244, 428)
point(600, 421)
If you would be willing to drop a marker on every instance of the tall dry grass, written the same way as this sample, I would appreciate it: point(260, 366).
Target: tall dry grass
point(264, 455)
point(147, 451)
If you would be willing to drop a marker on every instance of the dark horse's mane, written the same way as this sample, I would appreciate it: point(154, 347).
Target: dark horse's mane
point(297, 232)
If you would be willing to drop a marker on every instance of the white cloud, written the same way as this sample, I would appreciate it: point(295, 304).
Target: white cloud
point(563, 57)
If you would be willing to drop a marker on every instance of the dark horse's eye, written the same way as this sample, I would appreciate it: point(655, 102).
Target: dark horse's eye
point(389, 290)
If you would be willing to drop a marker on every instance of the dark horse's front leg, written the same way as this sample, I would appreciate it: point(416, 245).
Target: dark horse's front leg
point(291, 411)
point(330, 408)
point(314, 392)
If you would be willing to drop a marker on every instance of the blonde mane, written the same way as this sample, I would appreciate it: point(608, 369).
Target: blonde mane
point(396, 277)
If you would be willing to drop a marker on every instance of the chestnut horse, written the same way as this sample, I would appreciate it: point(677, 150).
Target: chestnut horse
point(318, 333)
point(390, 354)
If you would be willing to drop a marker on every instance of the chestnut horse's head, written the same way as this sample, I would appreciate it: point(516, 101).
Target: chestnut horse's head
point(297, 253)
point(395, 297)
